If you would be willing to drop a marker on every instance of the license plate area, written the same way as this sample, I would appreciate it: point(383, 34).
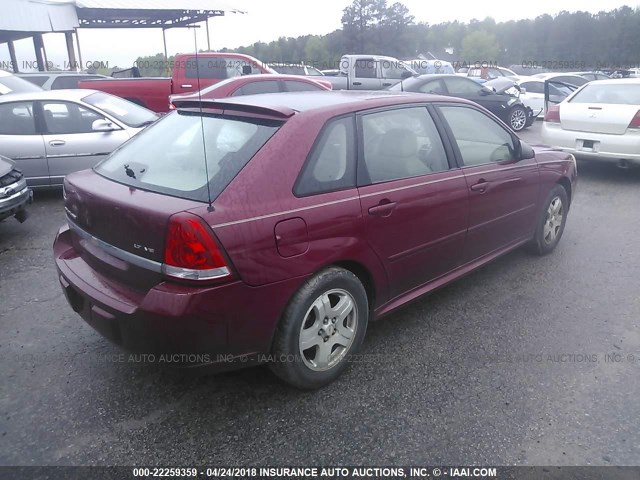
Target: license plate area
point(587, 145)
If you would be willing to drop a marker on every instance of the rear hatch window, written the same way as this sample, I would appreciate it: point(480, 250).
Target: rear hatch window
point(613, 94)
point(169, 157)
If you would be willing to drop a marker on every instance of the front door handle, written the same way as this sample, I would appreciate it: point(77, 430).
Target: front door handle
point(357, 83)
point(187, 85)
point(386, 84)
point(57, 143)
point(480, 187)
point(383, 209)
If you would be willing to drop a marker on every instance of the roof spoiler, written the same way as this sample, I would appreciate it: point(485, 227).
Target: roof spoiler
point(275, 111)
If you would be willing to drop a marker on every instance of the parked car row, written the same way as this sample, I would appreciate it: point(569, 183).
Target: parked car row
point(503, 102)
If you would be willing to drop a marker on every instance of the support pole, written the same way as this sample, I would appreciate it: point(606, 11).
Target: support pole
point(73, 64)
point(37, 45)
point(79, 50)
point(208, 37)
point(12, 56)
point(164, 41)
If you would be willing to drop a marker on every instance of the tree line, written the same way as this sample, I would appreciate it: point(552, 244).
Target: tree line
point(569, 40)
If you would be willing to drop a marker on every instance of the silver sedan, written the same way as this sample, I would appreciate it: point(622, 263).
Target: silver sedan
point(50, 134)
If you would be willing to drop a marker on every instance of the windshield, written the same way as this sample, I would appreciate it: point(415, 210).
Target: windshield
point(13, 84)
point(616, 94)
point(169, 157)
point(127, 112)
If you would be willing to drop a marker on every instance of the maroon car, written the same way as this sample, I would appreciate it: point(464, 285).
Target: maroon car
point(302, 217)
point(254, 85)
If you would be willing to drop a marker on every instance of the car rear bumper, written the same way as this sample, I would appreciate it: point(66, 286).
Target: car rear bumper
point(606, 147)
point(15, 202)
point(226, 325)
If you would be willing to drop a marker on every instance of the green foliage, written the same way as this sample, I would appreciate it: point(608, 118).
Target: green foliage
point(480, 46)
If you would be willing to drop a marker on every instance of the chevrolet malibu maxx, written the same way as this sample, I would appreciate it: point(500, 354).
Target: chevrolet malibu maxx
point(275, 227)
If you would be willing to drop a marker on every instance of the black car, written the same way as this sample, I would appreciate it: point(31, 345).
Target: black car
point(14, 194)
point(504, 103)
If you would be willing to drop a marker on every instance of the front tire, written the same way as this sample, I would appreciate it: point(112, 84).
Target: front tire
point(518, 118)
point(324, 323)
point(552, 221)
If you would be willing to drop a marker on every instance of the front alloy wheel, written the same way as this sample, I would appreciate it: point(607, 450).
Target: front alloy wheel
point(518, 118)
point(554, 220)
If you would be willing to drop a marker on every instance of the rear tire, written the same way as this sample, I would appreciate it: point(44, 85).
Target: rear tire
point(324, 324)
point(552, 221)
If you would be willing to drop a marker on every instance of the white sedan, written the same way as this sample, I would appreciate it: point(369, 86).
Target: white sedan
point(532, 94)
point(600, 121)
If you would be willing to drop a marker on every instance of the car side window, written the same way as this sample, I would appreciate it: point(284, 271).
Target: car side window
point(401, 143)
point(17, 119)
point(533, 87)
point(392, 70)
point(331, 164)
point(295, 86)
point(462, 86)
point(255, 88)
point(433, 86)
point(366, 68)
point(68, 118)
point(480, 139)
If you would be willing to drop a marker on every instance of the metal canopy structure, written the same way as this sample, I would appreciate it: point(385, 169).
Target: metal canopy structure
point(148, 13)
point(31, 18)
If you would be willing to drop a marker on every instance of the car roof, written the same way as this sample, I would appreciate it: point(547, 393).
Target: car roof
point(335, 101)
point(616, 81)
point(69, 94)
point(4, 73)
point(556, 74)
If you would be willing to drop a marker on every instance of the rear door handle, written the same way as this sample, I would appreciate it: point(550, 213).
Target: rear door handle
point(357, 83)
point(383, 209)
point(187, 85)
point(57, 143)
point(386, 84)
point(481, 186)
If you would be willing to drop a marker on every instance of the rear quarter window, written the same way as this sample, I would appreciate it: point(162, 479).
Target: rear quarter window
point(331, 165)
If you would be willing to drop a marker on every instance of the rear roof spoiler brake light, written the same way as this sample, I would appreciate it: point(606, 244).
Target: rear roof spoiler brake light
point(276, 111)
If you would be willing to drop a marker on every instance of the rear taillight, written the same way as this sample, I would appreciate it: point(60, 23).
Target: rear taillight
point(553, 114)
point(191, 251)
point(635, 121)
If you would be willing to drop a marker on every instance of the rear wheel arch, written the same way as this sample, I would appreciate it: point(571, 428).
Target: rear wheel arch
point(365, 277)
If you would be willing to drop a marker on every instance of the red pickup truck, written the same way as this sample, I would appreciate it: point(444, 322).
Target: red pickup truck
point(190, 74)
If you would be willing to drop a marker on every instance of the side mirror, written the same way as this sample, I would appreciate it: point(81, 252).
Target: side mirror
point(487, 91)
point(246, 70)
point(523, 90)
point(526, 151)
point(406, 74)
point(104, 126)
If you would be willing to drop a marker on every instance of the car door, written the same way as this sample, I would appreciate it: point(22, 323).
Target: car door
point(470, 90)
point(503, 189)
point(413, 200)
point(20, 140)
point(435, 86)
point(533, 97)
point(70, 142)
point(366, 75)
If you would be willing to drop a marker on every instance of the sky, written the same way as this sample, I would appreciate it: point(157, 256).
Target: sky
point(267, 20)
